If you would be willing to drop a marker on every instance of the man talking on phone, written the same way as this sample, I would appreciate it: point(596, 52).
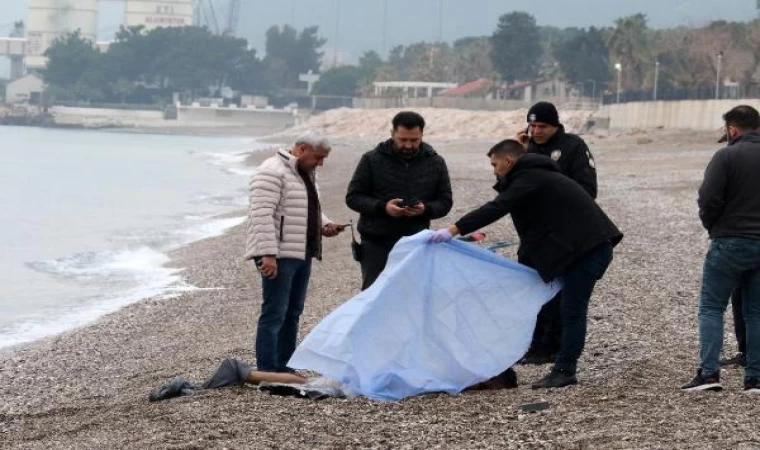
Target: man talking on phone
point(397, 189)
point(546, 136)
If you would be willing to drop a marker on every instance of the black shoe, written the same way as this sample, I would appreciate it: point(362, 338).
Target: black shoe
point(740, 359)
point(537, 358)
point(701, 383)
point(752, 386)
point(504, 380)
point(556, 379)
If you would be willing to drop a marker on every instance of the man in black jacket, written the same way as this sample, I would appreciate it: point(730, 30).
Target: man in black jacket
point(397, 189)
point(548, 137)
point(729, 207)
point(563, 234)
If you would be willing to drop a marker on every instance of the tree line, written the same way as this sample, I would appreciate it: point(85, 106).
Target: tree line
point(148, 66)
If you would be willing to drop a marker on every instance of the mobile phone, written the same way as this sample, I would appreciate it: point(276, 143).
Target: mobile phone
point(408, 203)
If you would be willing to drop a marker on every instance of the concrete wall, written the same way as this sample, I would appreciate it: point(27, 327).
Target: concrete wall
point(101, 117)
point(441, 102)
point(474, 104)
point(686, 114)
point(259, 121)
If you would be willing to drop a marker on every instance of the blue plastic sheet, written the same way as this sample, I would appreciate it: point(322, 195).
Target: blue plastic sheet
point(440, 318)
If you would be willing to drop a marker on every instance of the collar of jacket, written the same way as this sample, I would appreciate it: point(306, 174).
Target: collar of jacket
point(386, 148)
point(752, 136)
point(528, 161)
point(291, 161)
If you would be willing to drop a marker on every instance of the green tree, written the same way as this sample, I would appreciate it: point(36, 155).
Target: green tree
point(584, 57)
point(472, 59)
point(629, 46)
point(289, 54)
point(516, 47)
point(69, 58)
point(345, 81)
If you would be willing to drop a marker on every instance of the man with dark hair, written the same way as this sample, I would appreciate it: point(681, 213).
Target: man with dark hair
point(546, 136)
point(729, 207)
point(397, 189)
point(563, 234)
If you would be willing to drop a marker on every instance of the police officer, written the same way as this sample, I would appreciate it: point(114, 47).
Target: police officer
point(546, 136)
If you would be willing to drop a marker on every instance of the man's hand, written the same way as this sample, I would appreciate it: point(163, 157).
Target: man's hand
point(332, 229)
point(416, 210)
point(393, 209)
point(268, 267)
point(439, 236)
point(523, 138)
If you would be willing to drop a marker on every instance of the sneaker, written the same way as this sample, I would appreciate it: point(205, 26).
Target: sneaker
point(556, 379)
point(700, 383)
point(740, 359)
point(752, 386)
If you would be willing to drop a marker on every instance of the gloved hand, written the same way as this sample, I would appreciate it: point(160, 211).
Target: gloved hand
point(439, 236)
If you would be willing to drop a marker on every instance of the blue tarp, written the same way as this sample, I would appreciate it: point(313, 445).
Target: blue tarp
point(441, 317)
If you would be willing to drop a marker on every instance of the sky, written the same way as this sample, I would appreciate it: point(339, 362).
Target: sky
point(359, 25)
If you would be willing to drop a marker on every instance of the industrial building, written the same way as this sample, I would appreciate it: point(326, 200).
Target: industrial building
point(47, 20)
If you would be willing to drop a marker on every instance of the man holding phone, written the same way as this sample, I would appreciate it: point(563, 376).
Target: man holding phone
point(397, 189)
point(545, 135)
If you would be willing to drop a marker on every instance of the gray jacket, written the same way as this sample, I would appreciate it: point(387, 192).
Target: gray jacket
point(729, 198)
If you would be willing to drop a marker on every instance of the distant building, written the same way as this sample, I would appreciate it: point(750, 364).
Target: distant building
point(476, 88)
point(27, 89)
point(410, 89)
point(158, 13)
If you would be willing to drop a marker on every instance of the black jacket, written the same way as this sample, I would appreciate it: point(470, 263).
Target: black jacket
point(573, 157)
point(729, 198)
point(557, 221)
point(382, 176)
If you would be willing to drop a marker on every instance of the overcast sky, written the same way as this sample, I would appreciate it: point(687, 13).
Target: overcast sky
point(359, 25)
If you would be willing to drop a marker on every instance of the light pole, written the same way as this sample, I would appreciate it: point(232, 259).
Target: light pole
point(618, 68)
point(717, 78)
point(385, 27)
point(440, 20)
point(593, 90)
point(656, 78)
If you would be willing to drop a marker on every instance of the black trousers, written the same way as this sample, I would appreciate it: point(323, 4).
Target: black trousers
point(740, 328)
point(548, 332)
point(374, 257)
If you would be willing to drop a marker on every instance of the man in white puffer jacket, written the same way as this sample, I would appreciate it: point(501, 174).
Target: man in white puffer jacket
point(284, 232)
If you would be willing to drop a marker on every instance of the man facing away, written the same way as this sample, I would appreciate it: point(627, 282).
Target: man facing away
point(563, 234)
point(284, 232)
point(397, 189)
point(548, 137)
point(729, 208)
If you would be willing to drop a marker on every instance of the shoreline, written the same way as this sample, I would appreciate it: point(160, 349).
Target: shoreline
point(642, 331)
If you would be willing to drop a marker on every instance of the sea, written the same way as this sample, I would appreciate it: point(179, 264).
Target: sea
point(87, 219)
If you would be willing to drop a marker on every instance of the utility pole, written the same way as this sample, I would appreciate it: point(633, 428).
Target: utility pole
point(717, 78)
point(385, 28)
point(618, 68)
point(337, 33)
point(656, 78)
point(440, 21)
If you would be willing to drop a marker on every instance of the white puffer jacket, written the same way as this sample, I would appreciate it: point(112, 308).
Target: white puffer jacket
point(278, 210)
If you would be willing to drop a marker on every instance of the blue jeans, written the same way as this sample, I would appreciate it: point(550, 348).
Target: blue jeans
point(731, 262)
point(579, 279)
point(284, 298)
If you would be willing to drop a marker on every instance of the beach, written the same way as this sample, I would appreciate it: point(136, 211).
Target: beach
point(88, 388)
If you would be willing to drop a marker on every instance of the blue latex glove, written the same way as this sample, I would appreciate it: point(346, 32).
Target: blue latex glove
point(439, 236)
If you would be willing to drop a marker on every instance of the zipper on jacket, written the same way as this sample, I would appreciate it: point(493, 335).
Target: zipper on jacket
point(282, 228)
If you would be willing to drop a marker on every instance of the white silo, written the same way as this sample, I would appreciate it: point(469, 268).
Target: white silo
point(50, 19)
point(159, 13)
